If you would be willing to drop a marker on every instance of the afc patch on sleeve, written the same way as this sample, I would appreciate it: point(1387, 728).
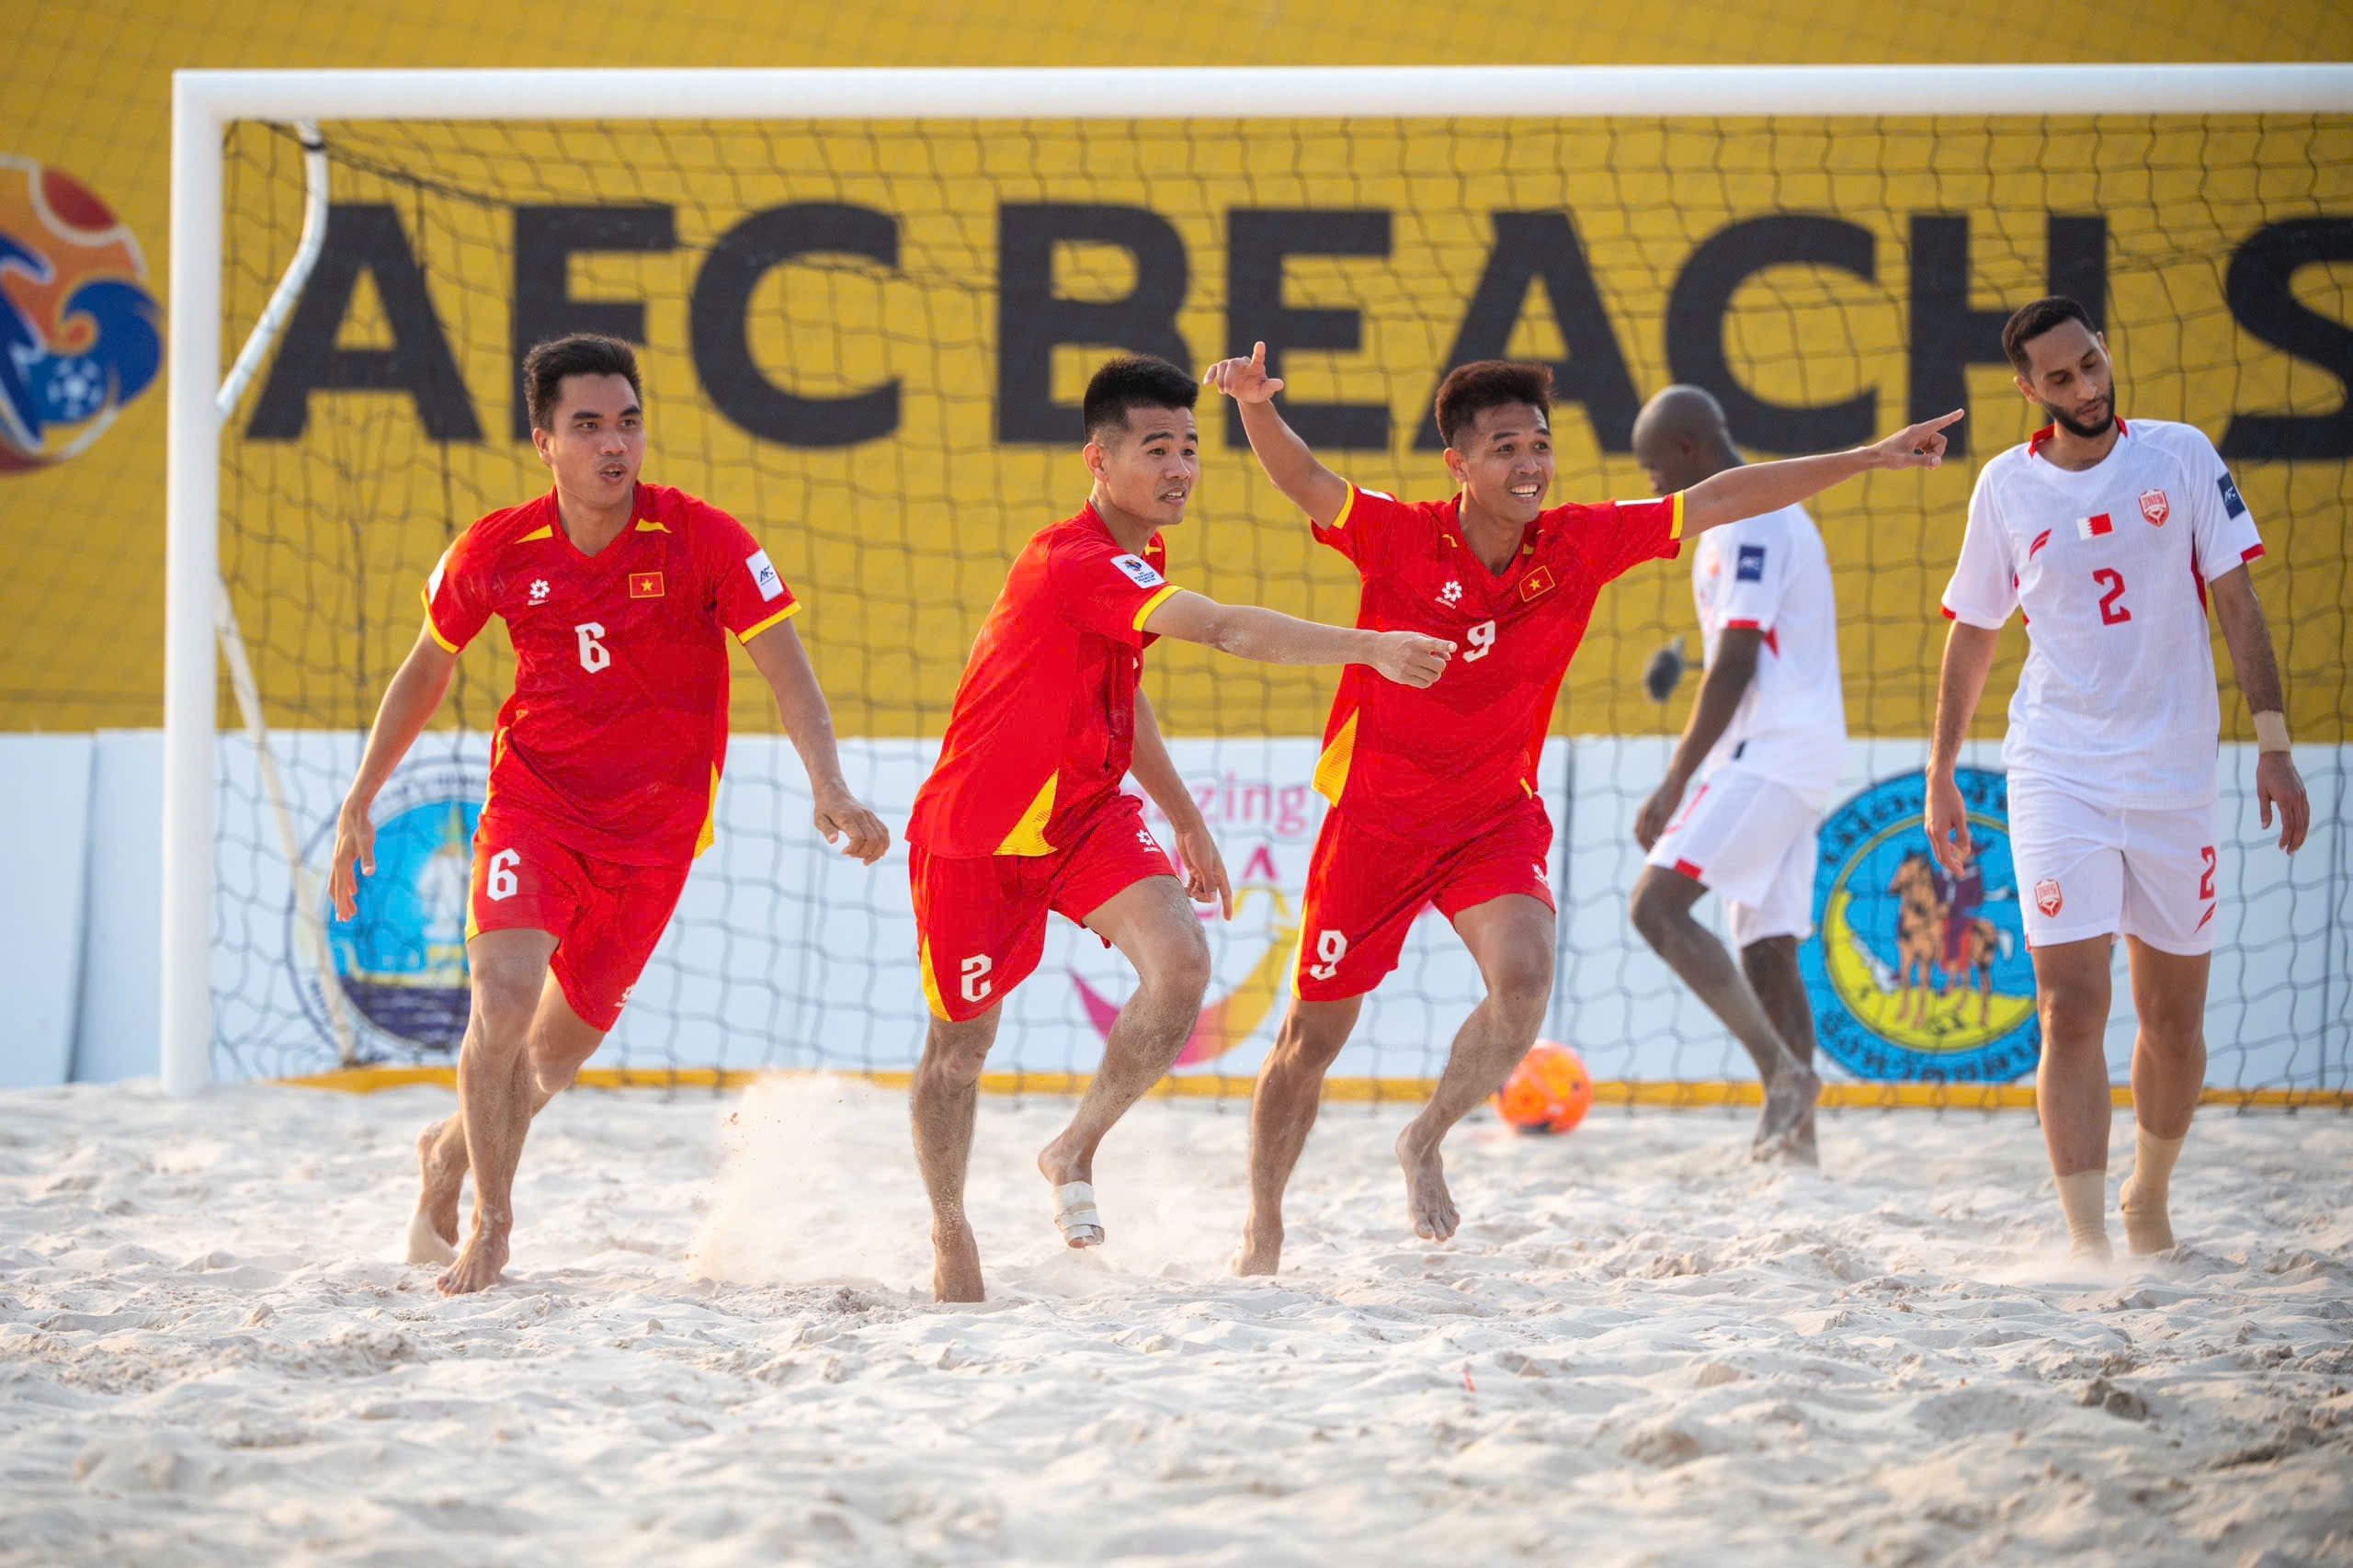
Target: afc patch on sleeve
point(1139, 571)
point(764, 576)
point(1751, 565)
point(2232, 506)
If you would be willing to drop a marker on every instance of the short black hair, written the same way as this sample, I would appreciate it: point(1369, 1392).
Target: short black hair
point(581, 354)
point(1470, 390)
point(1135, 381)
point(2031, 321)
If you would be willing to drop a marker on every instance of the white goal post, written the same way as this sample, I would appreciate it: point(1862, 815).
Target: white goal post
point(206, 102)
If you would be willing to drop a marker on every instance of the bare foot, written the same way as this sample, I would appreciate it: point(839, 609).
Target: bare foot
point(2146, 1230)
point(433, 1229)
point(1800, 1150)
point(478, 1267)
point(1262, 1246)
point(1789, 1105)
point(1426, 1200)
point(2091, 1249)
point(956, 1263)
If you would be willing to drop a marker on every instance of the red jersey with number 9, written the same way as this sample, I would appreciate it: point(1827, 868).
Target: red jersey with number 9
point(1443, 763)
point(617, 731)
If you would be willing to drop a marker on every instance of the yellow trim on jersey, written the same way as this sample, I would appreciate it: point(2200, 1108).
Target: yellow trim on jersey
point(1029, 834)
point(1332, 768)
point(446, 645)
point(548, 532)
point(710, 833)
point(648, 526)
point(787, 613)
point(1153, 603)
point(931, 986)
point(1345, 507)
point(1677, 531)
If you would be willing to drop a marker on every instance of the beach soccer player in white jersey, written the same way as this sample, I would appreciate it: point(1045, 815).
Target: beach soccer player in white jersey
point(1767, 740)
point(2109, 538)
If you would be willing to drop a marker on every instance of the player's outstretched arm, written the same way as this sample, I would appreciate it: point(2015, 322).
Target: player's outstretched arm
point(1753, 489)
point(1969, 657)
point(1270, 636)
point(778, 654)
point(1205, 879)
point(1729, 673)
point(416, 689)
point(1312, 488)
point(2277, 781)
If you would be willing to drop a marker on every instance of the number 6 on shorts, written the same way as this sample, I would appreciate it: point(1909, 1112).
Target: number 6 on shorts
point(501, 883)
point(1331, 947)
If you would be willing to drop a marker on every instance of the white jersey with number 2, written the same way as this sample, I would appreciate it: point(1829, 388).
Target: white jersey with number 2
point(2110, 565)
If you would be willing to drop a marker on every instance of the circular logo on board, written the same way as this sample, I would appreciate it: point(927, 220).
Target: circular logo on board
point(80, 336)
point(400, 961)
point(1918, 974)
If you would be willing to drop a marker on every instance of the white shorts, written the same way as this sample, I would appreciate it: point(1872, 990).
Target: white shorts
point(1753, 844)
point(2087, 871)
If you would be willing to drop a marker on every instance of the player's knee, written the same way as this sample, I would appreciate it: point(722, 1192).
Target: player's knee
point(2072, 1013)
point(955, 1055)
point(503, 1003)
point(1308, 1045)
point(1520, 985)
point(1180, 966)
point(1654, 909)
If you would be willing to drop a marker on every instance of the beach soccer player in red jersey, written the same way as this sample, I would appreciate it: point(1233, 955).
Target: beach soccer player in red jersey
point(1024, 813)
point(604, 774)
point(1433, 792)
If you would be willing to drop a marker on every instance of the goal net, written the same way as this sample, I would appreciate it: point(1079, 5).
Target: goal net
point(865, 337)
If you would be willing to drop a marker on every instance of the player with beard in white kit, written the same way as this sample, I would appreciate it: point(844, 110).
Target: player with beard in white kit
point(2110, 538)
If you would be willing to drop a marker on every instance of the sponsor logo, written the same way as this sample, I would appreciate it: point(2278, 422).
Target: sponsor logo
point(81, 337)
point(1139, 571)
point(2040, 540)
point(645, 584)
point(2155, 507)
point(1451, 593)
point(764, 576)
point(2048, 898)
point(399, 962)
point(538, 588)
point(2232, 506)
point(1916, 974)
point(1751, 567)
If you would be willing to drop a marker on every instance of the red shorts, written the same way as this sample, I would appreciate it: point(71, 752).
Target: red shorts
point(604, 917)
point(1365, 889)
point(980, 920)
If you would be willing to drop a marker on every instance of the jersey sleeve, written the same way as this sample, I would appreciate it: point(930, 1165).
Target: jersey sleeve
point(2223, 531)
point(1101, 588)
point(1757, 562)
point(747, 594)
point(1367, 530)
point(1618, 535)
point(457, 597)
point(1984, 587)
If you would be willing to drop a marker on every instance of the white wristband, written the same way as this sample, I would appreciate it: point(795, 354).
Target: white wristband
point(2270, 730)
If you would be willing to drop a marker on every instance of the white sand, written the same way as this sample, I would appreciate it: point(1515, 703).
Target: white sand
point(1641, 1349)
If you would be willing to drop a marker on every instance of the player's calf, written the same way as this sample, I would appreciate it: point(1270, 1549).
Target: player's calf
point(1282, 1112)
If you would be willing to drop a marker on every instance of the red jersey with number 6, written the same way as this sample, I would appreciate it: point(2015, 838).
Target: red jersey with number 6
point(617, 731)
point(1446, 762)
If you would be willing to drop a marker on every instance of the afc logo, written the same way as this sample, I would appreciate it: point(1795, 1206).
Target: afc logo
point(80, 336)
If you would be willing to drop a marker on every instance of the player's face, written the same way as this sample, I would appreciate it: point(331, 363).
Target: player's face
point(1149, 468)
point(1506, 462)
point(598, 441)
point(2069, 376)
point(1671, 462)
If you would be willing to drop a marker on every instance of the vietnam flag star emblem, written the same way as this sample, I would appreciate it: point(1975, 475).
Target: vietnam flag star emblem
point(645, 584)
